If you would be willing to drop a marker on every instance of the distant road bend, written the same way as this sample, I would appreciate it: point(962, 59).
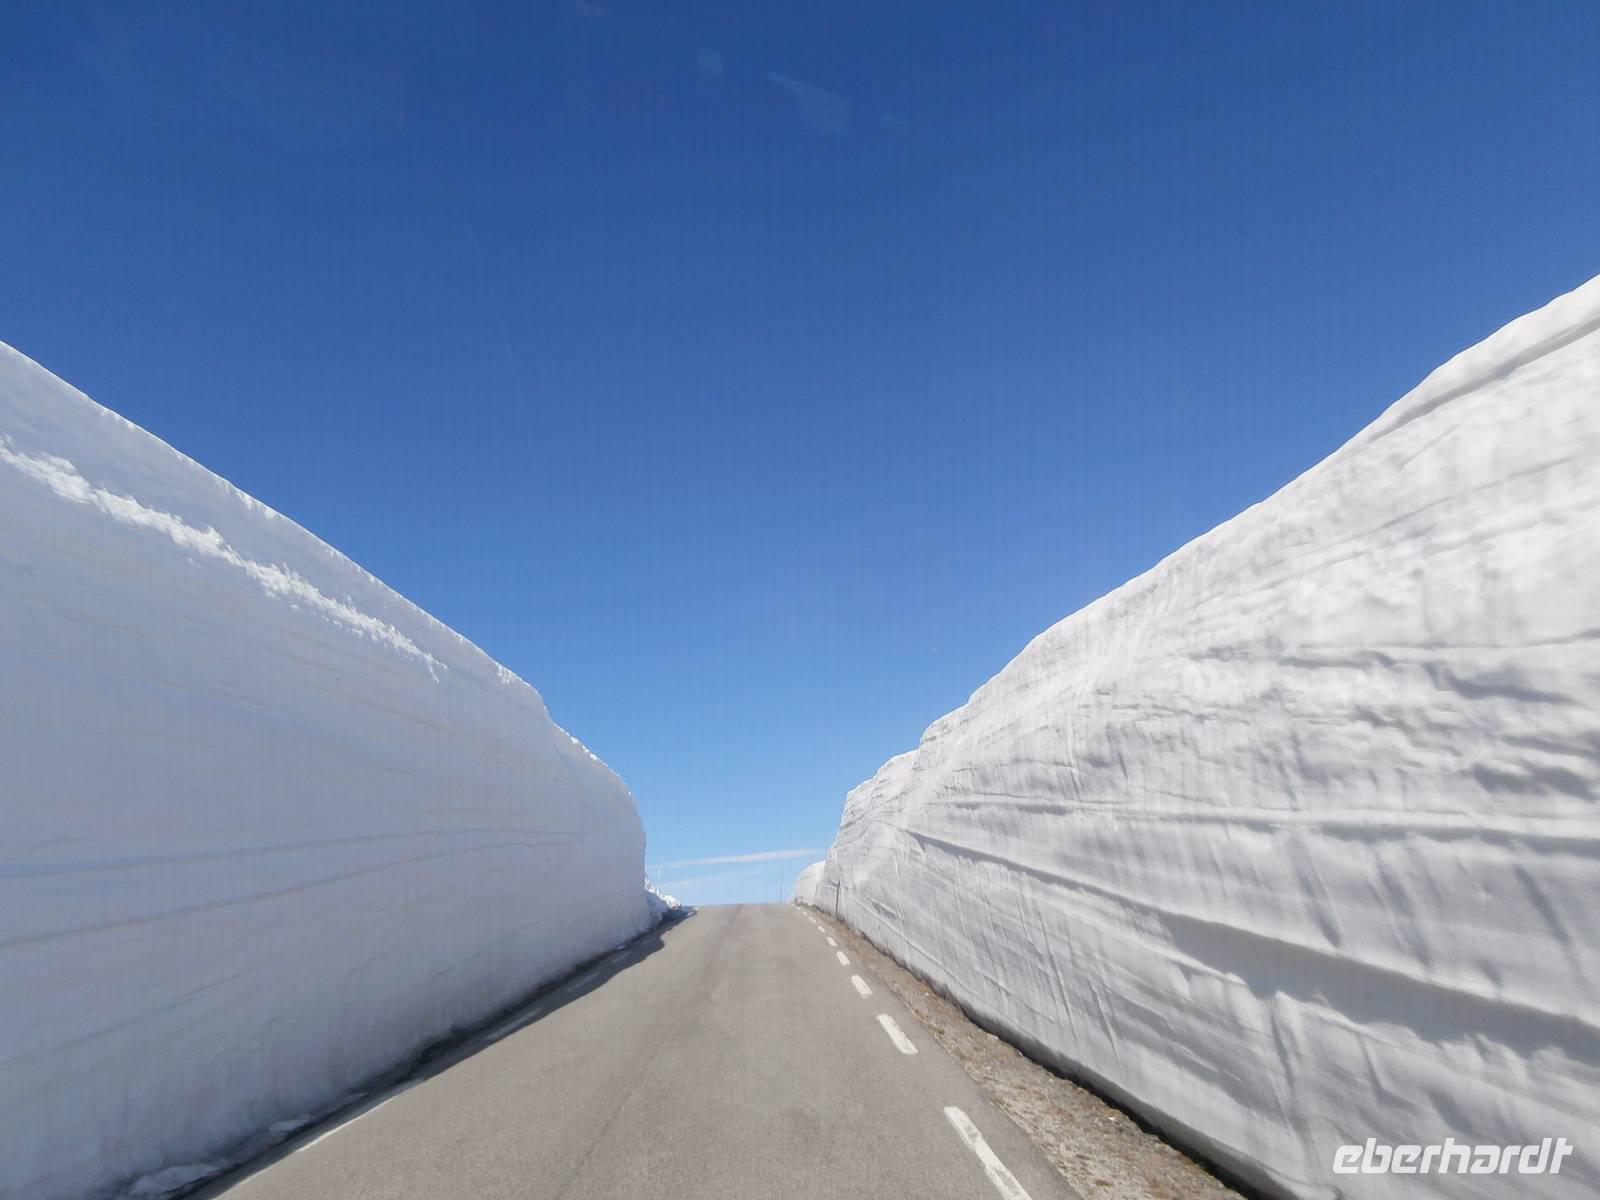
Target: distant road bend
point(736, 1056)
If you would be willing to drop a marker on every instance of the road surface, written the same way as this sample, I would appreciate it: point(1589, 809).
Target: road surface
point(732, 1056)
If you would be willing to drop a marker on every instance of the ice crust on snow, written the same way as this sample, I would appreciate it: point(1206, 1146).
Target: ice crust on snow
point(1293, 840)
point(269, 828)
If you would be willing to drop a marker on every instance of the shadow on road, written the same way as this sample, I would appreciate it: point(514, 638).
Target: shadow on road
point(269, 1147)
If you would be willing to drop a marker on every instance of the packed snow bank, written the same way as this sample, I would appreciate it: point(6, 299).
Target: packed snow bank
point(268, 827)
point(1293, 841)
point(661, 905)
point(805, 884)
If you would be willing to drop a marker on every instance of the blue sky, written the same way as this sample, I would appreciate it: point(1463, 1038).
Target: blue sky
point(756, 380)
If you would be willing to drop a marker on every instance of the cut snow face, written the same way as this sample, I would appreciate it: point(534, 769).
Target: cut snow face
point(661, 905)
point(806, 884)
point(269, 827)
point(1292, 841)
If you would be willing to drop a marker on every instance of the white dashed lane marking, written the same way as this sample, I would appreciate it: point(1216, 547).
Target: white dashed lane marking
point(860, 985)
point(901, 1042)
point(831, 942)
point(843, 961)
point(1004, 1181)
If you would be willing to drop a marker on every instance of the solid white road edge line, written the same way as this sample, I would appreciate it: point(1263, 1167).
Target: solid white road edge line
point(1004, 1181)
point(843, 961)
point(586, 978)
point(860, 985)
point(901, 1042)
point(516, 1022)
point(394, 1094)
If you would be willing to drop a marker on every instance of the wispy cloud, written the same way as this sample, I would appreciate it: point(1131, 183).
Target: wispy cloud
point(708, 60)
point(819, 108)
point(758, 856)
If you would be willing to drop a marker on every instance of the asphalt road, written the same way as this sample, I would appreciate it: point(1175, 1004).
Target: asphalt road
point(729, 1056)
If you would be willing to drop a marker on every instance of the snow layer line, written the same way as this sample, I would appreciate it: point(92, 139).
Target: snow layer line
point(268, 827)
point(1293, 840)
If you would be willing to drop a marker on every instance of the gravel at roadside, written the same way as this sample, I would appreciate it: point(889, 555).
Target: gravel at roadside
point(1097, 1148)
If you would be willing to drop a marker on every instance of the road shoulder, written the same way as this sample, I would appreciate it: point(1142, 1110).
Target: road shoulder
point(1096, 1147)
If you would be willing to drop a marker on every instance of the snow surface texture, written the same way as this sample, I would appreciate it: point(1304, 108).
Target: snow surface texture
point(807, 884)
point(268, 827)
point(1293, 840)
point(662, 905)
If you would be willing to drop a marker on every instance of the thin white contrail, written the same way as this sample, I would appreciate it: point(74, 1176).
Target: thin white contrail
point(759, 856)
point(724, 877)
point(499, 313)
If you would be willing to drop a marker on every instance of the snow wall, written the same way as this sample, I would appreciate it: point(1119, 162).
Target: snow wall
point(806, 883)
point(268, 828)
point(1294, 840)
